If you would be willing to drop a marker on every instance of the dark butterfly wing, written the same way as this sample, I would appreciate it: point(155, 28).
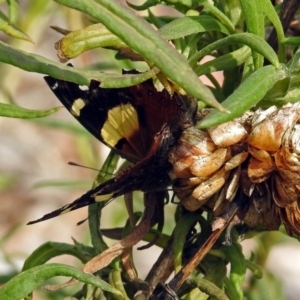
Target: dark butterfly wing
point(125, 119)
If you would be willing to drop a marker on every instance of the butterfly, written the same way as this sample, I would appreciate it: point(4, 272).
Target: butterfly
point(139, 122)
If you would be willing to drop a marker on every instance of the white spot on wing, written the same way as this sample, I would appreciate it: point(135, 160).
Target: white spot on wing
point(55, 85)
point(83, 87)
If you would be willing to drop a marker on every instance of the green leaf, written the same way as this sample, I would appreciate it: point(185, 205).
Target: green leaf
point(230, 289)
point(233, 12)
point(292, 96)
point(236, 258)
point(13, 111)
point(115, 279)
point(95, 209)
point(39, 64)
point(12, 30)
point(294, 63)
point(181, 230)
point(247, 95)
point(147, 4)
point(215, 11)
point(276, 93)
point(254, 18)
point(189, 25)
point(24, 283)
point(225, 62)
point(51, 249)
point(254, 42)
point(13, 10)
point(141, 37)
point(295, 41)
point(196, 294)
point(208, 288)
point(271, 13)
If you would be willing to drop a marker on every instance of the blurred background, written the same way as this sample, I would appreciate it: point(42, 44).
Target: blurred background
point(36, 179)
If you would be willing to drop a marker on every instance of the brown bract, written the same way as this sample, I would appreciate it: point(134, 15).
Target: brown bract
point(258, 153)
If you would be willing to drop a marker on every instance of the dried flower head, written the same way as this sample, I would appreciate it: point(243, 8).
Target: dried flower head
point(258, 153)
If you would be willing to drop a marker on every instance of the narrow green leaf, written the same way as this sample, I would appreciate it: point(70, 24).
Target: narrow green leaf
point(23, 284)
point(233, 11)
point(13, 111)
point(189, 25)
point(230, 289)
point(49, 250)
point(147, 4)
point(108, 168)
point(115, 279)
point(196, 294)
point(295, 41)
point(11, 29)
point(13, 10)
point(292, 96)
point(95, 209)
point(39, 64)
point(141, 37)
point(254, 17)
point(237, 267)
point(181, 230)
point(271, 13)
point(277, 92)
point(247, 95)
point(209, 288)
point(225, 62)
point(254, 42)
point(214, 10)
point(179, 2)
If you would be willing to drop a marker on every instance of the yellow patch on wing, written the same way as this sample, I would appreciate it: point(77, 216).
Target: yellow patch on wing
point(77, 106)
point(122, 121)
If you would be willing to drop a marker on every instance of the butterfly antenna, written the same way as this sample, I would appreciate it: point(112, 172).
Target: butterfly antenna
point(71, 163)
point(82, 221)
